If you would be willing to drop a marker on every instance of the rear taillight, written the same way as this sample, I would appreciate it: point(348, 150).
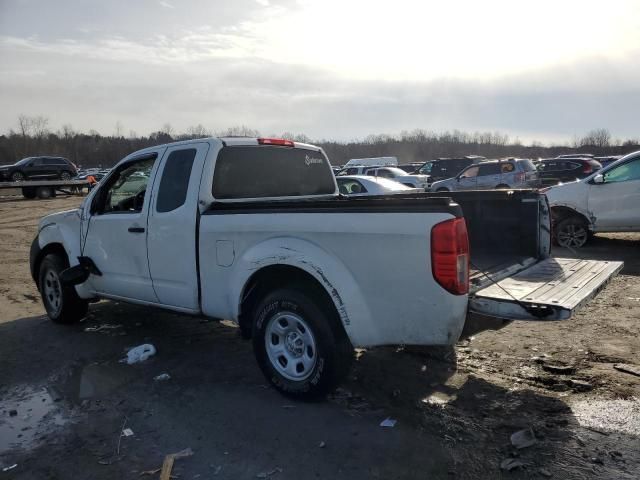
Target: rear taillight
point(587, 168)
point(276, 141)
point(450, 255)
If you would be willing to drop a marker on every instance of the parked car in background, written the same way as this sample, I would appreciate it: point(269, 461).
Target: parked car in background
point(556, 170)
point(372, 162)
point(39, 168)
point(495, 174)
point(576, 155)
point(366, 185)
point(393, 173)
point(606, 201)
point(444, 168)
point(410, 167)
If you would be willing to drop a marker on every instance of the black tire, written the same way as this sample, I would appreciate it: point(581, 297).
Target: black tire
point(45, 192)
point(65, 176)
point(409, 185)
point(29, 192)
point(503, 186)
point(17, 177)
point(330, 349)
point(442, 189)
point(66, 306)
point(571, 232)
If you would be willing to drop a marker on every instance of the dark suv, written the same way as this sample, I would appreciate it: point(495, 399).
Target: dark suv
point(555, 170)
point(443, 168)
point(39, 168)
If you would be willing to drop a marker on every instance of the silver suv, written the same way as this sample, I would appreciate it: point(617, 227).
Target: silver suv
point(495, 174)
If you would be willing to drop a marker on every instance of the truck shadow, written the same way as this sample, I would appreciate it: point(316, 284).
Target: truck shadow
point(452, 420)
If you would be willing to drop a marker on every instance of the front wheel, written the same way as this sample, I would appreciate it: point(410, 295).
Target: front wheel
point(299, 343)
point(62, 303)
point(442, 189)
point(503, 186)
point(571, 232)
point(65, 176)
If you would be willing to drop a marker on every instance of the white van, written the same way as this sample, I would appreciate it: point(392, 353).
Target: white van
point(372, 162)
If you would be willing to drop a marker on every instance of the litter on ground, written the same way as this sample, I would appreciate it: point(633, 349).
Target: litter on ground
point(140, 353)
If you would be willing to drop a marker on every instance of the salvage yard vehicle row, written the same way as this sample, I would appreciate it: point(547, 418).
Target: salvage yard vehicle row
point(255, 230)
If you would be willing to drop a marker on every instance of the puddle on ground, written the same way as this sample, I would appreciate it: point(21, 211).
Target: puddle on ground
point(622, 416)
point(25, 416)
point(95, 381)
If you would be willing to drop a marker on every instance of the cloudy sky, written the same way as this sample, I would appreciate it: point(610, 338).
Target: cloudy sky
point(338, 69)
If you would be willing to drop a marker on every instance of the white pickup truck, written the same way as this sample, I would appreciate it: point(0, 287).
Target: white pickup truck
point(255, 230)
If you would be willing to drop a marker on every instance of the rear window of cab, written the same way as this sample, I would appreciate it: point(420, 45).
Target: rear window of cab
point(271, 171)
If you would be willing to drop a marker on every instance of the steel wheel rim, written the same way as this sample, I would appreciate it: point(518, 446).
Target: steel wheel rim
point(52, 291)
point(291, 346)
point(572, 236)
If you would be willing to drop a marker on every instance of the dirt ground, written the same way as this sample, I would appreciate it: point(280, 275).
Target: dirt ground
point(65, 398)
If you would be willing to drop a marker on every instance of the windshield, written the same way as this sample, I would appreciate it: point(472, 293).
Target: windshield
point(426, 168)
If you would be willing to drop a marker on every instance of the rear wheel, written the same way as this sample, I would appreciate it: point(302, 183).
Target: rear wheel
point(572, 232)
point(29, 192)
point(17, 177)
point(443, 189)
point(62, 303)
point(299, 343)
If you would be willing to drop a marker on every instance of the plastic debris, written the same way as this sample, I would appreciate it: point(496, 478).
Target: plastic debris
point(162, 377)
point(545, 473)
point(509, 464)
point(269, 473)
point(140, 353)
point(217, 470)
point(167, 465)
point(631, 369)
point(322, 445)
point(388, 422)
point(10, 467)
point(127, 432)
point(523, 438)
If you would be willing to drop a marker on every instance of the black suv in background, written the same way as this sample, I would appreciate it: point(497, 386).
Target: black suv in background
point(554, 170)
point(444, 168)
point(38, 168)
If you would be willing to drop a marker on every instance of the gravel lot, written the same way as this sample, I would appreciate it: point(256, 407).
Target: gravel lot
point(64, 396)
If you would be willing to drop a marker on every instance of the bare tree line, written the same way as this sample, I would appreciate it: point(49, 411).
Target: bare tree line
point(33, 137)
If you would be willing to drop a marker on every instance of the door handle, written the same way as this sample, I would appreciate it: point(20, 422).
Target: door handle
point(136, 229)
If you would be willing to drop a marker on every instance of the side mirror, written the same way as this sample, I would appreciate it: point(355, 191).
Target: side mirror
point(598, 178)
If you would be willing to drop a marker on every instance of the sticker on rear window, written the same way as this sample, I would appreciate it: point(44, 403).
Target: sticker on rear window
point(309, 160)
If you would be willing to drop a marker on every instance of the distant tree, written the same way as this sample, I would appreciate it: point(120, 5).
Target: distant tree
point(239, 131)
point(599, 137)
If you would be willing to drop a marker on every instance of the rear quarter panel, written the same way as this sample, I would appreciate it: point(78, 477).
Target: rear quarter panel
point(375, 266)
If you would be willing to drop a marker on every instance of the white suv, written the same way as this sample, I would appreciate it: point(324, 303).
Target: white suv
point(606, 201)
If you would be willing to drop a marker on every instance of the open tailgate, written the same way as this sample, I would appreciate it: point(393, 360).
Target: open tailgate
point(549, 290)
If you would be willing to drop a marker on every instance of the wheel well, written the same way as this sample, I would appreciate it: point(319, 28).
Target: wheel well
point(274, 276)
point(56, 248)
point(560, 213)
